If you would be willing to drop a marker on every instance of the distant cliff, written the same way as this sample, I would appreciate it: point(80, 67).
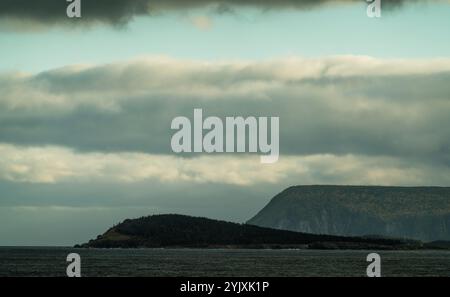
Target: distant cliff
point(421, 213)
point(184, 231)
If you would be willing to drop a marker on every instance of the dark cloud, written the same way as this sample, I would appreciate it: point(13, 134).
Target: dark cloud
point(54, 11)
point(119, 12)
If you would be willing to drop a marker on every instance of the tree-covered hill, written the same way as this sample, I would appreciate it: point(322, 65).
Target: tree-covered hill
point(185, 231)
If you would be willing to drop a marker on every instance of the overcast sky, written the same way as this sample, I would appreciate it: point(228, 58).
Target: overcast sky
point(86, 106)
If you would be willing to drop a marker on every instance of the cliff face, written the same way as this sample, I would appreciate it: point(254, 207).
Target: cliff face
point(408, 212)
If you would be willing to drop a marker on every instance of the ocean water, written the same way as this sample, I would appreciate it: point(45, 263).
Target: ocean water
point(30, 261)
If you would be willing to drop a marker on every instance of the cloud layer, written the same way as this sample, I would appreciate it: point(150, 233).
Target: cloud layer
point(382, 121)
point(337, 105)
point(56, 165)
point(119, 12)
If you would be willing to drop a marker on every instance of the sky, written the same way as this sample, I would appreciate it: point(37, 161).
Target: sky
point(86, 106)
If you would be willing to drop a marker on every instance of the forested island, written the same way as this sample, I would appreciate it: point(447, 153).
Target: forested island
point(180, 231)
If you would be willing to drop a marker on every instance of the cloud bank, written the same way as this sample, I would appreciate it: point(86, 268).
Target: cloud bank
point(113, 121)
point(54, 165)
point(337, 105)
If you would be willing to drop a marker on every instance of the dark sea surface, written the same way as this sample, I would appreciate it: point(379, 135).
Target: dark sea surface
point(39, 261)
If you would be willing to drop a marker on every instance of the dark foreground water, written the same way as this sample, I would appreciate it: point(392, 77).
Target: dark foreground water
point(205, 262)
